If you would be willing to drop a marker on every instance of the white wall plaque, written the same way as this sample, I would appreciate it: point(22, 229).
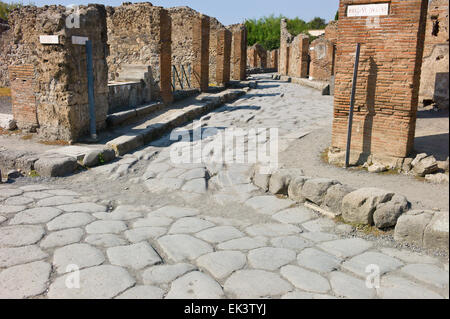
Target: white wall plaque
point(368, 10)
point(79, 40)
point(49, 39)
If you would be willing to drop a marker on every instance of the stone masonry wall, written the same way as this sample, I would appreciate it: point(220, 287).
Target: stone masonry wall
point(388, 77)
point(215, 28)
point(238, 51)
point(294, 53)
point(200, 61)
point(285, 40)
point(223, 58)
point(434, 86)
point(273, 60)
point(140, 34)
point(59, 70)
point(5, 52)
point(257, 56)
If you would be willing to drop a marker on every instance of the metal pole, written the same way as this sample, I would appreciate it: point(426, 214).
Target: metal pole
point(352, 106)
point(90, 75)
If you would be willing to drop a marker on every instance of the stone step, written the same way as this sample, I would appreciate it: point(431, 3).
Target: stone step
point(133, 115)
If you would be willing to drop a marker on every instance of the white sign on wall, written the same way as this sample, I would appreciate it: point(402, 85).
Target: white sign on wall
point(79, 40)
point(49, 39)
point(368, 10)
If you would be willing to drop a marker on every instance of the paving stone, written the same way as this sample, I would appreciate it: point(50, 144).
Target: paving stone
point(38, 195)
point(349, 287)
point(427, 273)
point(2, 219)
point(295, 215)
point(394, 287)
point(300, 295)
point(290, 242)
point(255, 284)
point(195, 285)
point(165, 274)
point(269, 258)
point(40, 215)
point(152, 222)
point(105, 240)
point(144, 233)
point(6, 193)
point(62, 238)
point(120, 215)
point(83, 208)
point(62, 192)
point(20, 255)
point(181, 247)
point(24, 281)
point(222, 264)
point(319, 237)
point(56, 201)
point(16, 236)
point(319, 225)
point(142, 292)
point(158, 168)
point(11, 209)
point(220, 234)
point(268, 205)
point(346, 247)
point(197, 186)
point(244, 243)
point(106, 227)
point(137, 256)
point(189, 225)
point(174, 212)
point(34, 188)
point(317, 260)
point(81, 255)
point(100, 282)
point(194, 174)
point(409, 256)
point(164, 184)
point(305, 279)
point(359, 264)
point(273, 230)
point(70, 220)
point(18, 201)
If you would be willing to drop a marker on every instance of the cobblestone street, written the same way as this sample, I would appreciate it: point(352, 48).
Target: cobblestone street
point(146, 227)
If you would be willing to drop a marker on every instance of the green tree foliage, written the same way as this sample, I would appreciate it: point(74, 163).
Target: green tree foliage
point(266, 30)
point(6, 8)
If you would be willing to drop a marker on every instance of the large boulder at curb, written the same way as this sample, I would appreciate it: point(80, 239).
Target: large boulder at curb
point(97, 157)
point(315, 190)
point(425, 166)
point(436, 233)
point(359, 206)
point(54, 165)
point(280, 180)
point(295, 189)
point(334, 196)
point(411, 226)
point(387, 214)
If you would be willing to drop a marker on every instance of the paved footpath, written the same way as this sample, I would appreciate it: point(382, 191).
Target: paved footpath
point(146, 227)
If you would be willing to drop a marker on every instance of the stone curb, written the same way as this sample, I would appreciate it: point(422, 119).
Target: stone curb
point(120, 118)
point(367, 206)
point(323, 87)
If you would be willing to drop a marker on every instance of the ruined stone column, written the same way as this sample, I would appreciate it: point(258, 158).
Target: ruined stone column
point(165, 57)
point(200, 59)
point(298, 59)
point(284, 49)
point(223, 57)
point(388, 78)
point(239, 60)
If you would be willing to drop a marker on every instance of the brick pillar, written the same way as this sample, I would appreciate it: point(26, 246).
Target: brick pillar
point(388, 77)
point(284, 49)
point(240, 54)
point(165, 57)
point(23, 86)
point(200, 44)
point(275, 59)
point(298, 59)
point(223, 57)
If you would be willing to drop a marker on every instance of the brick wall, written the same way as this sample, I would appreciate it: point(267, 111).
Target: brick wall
point(23, 86)
point(215, 47)
point(60, 69)
point(200, 46)
point(238, 52)
point(322, 59)
point(388, 78)
point(223, 45)
point(434, 85)
point(257, 56)
point(139, 34)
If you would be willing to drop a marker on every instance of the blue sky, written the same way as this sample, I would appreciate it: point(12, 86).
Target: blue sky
point(235, 11)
